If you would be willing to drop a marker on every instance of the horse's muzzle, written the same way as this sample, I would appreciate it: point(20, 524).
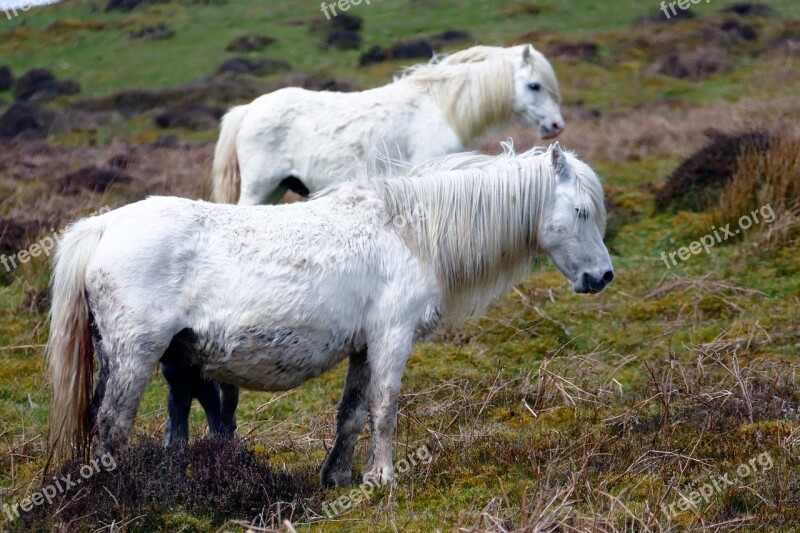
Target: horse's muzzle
point(590, 283)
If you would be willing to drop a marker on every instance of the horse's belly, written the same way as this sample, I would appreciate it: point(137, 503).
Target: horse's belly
point(272, 359)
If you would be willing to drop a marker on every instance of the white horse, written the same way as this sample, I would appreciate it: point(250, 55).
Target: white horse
point(267, 297)
point(305, 141)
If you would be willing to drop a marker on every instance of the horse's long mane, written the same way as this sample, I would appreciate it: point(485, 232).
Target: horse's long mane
point(478, 218)
point(475, 87)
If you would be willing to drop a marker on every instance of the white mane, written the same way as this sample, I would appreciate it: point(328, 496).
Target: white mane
point(485, 74)
point(480, 219)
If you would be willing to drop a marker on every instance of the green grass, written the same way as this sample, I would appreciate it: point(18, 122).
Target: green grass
point(104, 61)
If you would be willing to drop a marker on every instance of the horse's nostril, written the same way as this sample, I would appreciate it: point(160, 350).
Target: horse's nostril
point(608, 277)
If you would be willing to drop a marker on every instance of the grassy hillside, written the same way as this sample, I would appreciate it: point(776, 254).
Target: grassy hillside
point(554, 411)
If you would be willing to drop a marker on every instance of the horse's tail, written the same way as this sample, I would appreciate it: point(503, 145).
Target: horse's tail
point(225, 176)
point(69, 351)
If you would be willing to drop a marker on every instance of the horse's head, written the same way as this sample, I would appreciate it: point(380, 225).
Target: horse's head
point(536, 96)
point(571, 233)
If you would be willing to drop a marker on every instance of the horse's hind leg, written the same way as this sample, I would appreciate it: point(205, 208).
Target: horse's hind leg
point(230, 400)
point(350, 418)
point(179, 402)
point(128, 372)
point(100, 387)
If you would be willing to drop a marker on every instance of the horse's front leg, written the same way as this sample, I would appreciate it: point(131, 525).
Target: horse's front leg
point(350, 418)
point(387, 359)
point(207, 392)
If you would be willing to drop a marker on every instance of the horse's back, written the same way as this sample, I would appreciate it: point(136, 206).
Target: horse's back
point(149, 244)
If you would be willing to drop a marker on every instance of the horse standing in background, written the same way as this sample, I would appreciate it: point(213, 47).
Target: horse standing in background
point(305, 140)
point(267, 297)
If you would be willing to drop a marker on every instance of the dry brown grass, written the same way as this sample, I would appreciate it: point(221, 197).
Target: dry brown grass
point(767, 177)
point(662, 129)
point(644, 449)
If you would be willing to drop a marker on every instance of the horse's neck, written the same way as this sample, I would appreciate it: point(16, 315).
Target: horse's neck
point(482, 100)
point(476, 237)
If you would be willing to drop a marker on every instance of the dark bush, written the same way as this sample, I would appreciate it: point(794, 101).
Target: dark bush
point(154, 33)
point(15, 235)
point(785, 44)
point(583, 51)
point(738, 31)
point(451, 37)
point(700, 180)
point(26, 119)
point(376, 54)
point(661, 18)
point(749, 9)
point(41, 84)
point(250, 43)
point(91, 179)
point(696, 65)
point(343, 40)
point(342, 21)
point(256, 67)
point(414, 49)
point(126, 5)
point(6, 78)
point(193, 117)
point(213, 478)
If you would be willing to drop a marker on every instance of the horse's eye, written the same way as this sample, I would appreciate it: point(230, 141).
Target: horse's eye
point(582, 214)
point(534, 87)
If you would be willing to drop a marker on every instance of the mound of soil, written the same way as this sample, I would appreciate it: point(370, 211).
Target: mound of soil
point(661, 18)
point(194, 117)
point(698, 182)
point(316, 83)
point(449, 37)
point(696, 65)
point(341, 31)
point(6, 78)
point(255, 67)
point(154, 33)
point(128, 5)
point(785, 44)
point(737, 31)
point(749, 9)
point(583, 51)
point(26, 119)
point(91, 179)
point(250, 43)
point(376, 54)
point(119, 162)
point(16, 235)
point(343, 40)
point(342, 21)
point(41, 84)
point(413, 49)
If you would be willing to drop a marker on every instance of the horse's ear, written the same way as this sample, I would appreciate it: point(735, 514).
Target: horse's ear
point(527, 54)
point(558, 160)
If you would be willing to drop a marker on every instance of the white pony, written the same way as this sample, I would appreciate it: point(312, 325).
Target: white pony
point(267, 297)
point(305, 140)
